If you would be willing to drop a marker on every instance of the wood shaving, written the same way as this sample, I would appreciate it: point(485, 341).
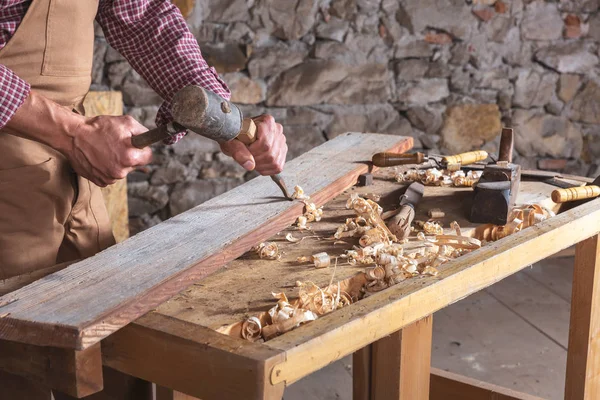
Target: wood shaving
point(299, 194)
point(268, 251)
point(302, 259)
point(433, 228)
point(321, 260)
point(436, 177)
point(520, 217)
point(252, 329)
point(436, 213)
point(290, 238)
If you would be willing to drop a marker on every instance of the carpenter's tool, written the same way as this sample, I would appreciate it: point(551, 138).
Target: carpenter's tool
point(496, 191)
point(399, 224)
point(449, 162)
point(205, 113)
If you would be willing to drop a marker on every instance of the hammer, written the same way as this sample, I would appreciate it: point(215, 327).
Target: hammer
point(205, 113)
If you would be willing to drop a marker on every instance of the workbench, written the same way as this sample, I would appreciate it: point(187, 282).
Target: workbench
point(177, 345)
point(389, 333)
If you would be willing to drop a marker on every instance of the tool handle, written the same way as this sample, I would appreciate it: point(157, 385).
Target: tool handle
point(575, 193)
point(466, 158)
point(393, 159)
point(400, 223)
point(507, 143)
point(152, 136)
point(247, 134)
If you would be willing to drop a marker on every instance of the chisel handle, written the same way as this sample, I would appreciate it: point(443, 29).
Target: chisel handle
point(466, 158)
point(393, 159)
point(575, 193)
point(156, 135)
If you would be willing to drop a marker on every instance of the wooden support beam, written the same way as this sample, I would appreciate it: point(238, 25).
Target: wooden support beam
point(583, 357)
point(401, 363)
point(396, 367)
point(89, 300)
point(77, 373)
point(448, 386)
point(361, 374)
point(174, 354)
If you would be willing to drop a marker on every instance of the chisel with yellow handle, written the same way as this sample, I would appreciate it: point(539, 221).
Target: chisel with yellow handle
point(575, 193)
point(450, 162)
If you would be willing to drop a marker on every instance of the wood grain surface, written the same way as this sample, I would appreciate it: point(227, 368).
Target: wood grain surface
point(89, 300)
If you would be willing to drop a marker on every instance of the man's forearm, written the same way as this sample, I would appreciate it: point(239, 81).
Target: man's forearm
point(45, 121)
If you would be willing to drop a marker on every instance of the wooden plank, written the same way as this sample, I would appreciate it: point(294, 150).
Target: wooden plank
point(89, 300)
point(194, 360)
point(401, 363)
point(402, 304)
point(77, 373)
point(448, 386)
point(361, 374)
point(583, 357)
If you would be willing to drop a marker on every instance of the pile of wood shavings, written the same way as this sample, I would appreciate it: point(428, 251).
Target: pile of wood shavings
point(521, 217)
point(436, 177)
point(386, 262)
point(311, 213)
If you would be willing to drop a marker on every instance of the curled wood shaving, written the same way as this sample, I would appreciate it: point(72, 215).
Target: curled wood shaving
point(433, 228)
point(321, 260)
point(299, 194)
point(290, 238)
point(520, 218)
point(302, 259)
point(268, 251)
point(251, 329)
point(436, 213)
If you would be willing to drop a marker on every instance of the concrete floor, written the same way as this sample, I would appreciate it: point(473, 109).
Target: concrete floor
point(513, 334)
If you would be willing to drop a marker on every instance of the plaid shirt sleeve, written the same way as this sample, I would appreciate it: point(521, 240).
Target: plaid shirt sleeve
point(13, 92)
point(153, 36)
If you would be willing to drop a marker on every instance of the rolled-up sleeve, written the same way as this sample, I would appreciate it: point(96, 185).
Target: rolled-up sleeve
point(153, 36)
point(13, 92)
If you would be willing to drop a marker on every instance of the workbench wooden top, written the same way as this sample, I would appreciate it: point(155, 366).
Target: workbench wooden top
point(244, 287)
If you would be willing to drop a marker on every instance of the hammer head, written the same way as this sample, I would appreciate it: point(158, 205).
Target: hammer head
point(206, 113)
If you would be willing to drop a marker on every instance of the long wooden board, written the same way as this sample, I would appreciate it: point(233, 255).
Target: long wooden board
point(80, 305)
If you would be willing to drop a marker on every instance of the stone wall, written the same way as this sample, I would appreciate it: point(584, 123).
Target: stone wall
point(448, 72)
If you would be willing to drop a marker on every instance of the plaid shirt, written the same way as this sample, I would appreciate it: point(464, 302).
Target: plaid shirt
point(151, 34)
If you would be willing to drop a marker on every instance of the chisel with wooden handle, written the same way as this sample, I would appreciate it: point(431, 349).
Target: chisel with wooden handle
point(575, 193)
point(393, 159)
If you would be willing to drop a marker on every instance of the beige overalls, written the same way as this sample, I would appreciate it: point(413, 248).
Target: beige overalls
point(49, 215)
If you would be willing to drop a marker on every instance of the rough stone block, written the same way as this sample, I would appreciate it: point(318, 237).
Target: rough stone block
point(469, 126)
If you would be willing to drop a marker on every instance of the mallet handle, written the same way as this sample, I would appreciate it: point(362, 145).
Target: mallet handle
point(247, 134)
point(466, 158)
point(575, 193)
point(393, 159)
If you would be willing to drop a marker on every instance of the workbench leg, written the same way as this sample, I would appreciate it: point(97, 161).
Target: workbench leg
point(118, 386)
point(163, 393)
point(361, 374)
point(583, 357)
point(399, 365)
